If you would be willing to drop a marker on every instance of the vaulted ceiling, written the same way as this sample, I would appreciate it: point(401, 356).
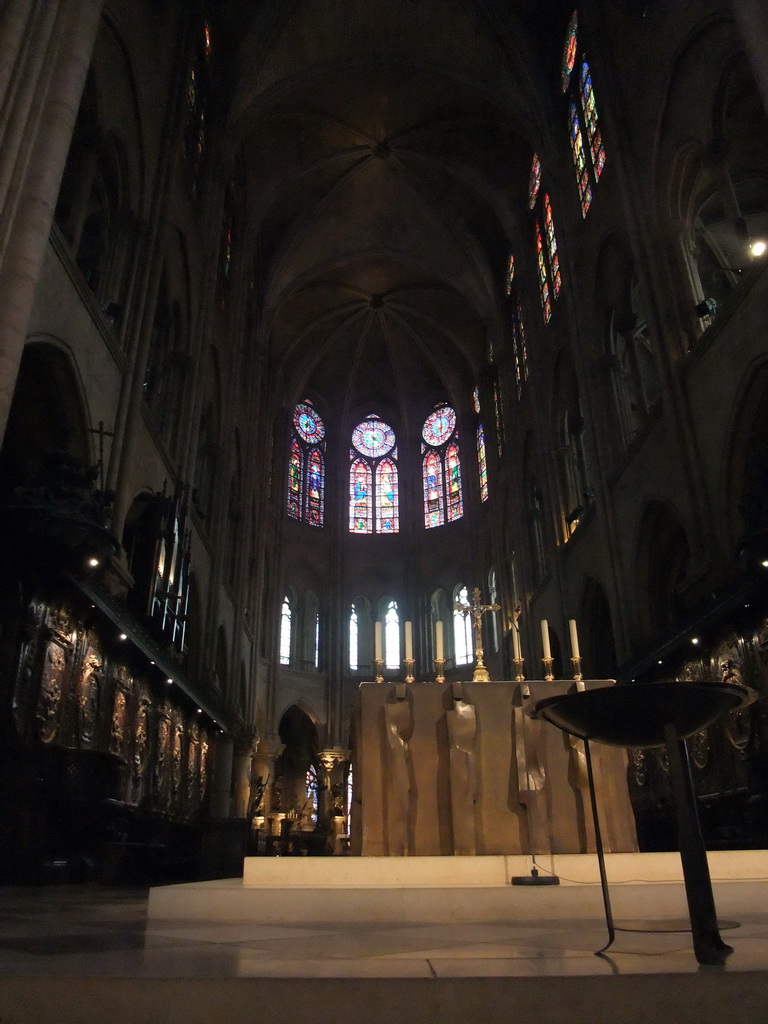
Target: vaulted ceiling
point(385, 147)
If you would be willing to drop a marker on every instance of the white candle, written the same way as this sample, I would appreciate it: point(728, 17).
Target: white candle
point(516, 643)
point(408, 640)
point(439, 640)
point(545, 639)
point(377, 641)
point(574, 639)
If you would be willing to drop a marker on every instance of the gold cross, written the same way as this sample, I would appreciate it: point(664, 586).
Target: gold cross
point(477, 610)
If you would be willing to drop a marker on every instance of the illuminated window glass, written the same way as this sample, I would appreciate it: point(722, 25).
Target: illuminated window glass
point(554, 259)
point(198, 90)
point(353, 639)
point(285, 632)
point(453, 471)
point(306, 467)
point(482, 463)
point(360, 498)
point(520, 349)
point(579, 161)
point(441, 469)
point(546, 302)
point(476, 400)
point(373, 460)
point(462, 629)
point(590, 119)
point(392, 636)
point(569, 51)
point(510, 274)
point(534, 183)
point(295, 479)
point(312, 793)
point(499, 419)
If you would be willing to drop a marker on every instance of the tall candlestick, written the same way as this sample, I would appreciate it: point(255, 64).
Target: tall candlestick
point(516, 643)
point(408, 641)
point(545, 640)
point(377, 641)
point(574, 639)
point(439, 640)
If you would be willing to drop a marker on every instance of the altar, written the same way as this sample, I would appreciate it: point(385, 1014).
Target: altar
point(459, 769)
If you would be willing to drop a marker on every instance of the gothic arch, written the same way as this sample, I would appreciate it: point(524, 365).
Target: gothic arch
point(662, 557)
point(596, 636)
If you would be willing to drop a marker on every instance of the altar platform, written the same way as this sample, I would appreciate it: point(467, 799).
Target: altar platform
point(82, 954)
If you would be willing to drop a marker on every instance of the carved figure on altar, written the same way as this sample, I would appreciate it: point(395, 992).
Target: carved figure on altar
point(398, 727)
point(462, 728)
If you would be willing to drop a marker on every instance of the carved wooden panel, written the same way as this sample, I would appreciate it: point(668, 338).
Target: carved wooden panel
point(88, 692)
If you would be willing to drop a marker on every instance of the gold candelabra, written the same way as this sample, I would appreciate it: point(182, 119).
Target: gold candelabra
point(378, 664)
point(409, 663)
point(518, 663)
point(548, 662)
point(439, 670)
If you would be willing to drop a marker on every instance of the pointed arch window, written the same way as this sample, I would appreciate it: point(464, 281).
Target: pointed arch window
point(462, 628)
point(441, 468)
point(373, 478)
point(306, 466)
point(392, 636)
point(353, 639)
point(198, 94)
point(545, 241)
point(519, 348)
point(285, 632)
point(587, 147)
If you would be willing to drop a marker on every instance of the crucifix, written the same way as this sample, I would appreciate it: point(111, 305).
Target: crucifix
point(477, 610)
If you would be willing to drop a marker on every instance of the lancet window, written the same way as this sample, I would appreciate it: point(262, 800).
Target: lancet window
point(519, 346)
point(392, 636)
point(545, 239)
point(285, 632)
point(441, 468)
point(306, 466)
point(587, 147)
point(482, 460)
point(373, 478)
point(462, 627)
point(198, 90)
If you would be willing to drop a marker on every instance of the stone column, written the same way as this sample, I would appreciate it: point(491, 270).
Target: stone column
point(330, 803)
point(244, 747)
point(263, 775)
point(49, 47)
point(222, 778)
point(752, 19)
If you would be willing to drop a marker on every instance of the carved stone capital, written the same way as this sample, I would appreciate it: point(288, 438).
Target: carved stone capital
point(333, 758)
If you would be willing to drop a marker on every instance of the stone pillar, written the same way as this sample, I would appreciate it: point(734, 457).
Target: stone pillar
point(330, 810)
point(263, 775)
point(244, 747)
point(49, 47)
point(752, 19)
point(222, 778)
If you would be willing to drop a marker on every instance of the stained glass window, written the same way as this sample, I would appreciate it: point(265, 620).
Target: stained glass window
point(482, 463)
point(453, 471)
point(569, 51)
point(520, 348)
point(546, 302)
point(360, 498)
point(197, 97)
point(315, 489)
point(434, 505)
point(312, 793)
point(476, 400)
point(386, 497)
point(285, 632)
point(306, 467)
point(534, 183)
point(554, 259)
point(499, 421)
point(295, 474)
point(510, 274)
point(392, 636)
point(373, 459)
point(580, 161)
point(441, 469)
point(590, 119)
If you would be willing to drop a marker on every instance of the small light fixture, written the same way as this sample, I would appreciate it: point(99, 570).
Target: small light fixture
point(661, 662)
point(169, 681)
point(93, 562)
point(758, 247)
point(764, 563)
point(199, 711)
point(123, 636)
point(694, 639)
point(151, 663)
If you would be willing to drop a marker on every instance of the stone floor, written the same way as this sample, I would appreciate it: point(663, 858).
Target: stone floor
point(81, 954)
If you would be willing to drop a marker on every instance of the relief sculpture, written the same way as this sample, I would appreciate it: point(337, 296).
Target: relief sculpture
point(51, 691)
point(88, 694)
